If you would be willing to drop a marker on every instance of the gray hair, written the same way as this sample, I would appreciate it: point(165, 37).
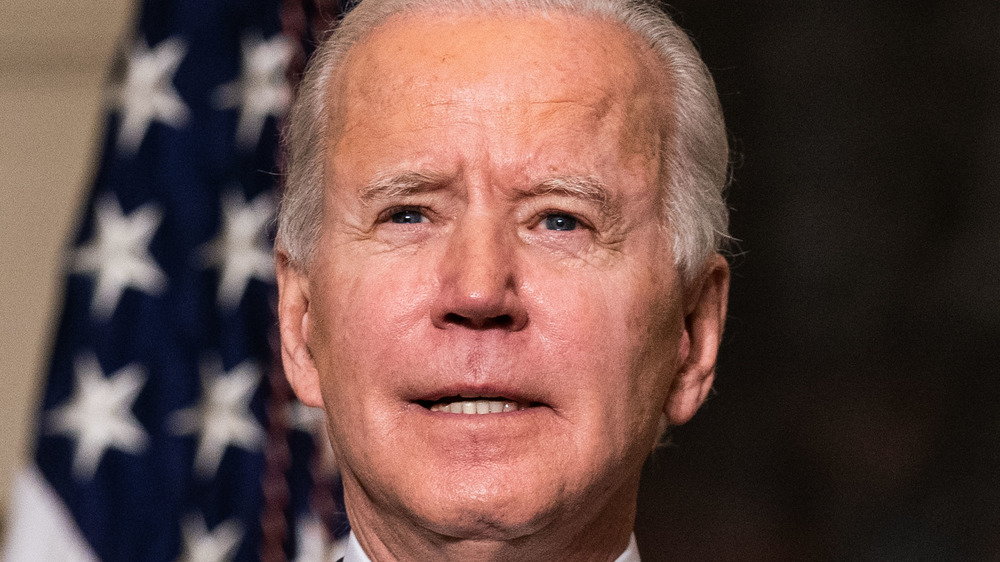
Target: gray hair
point(695, 156)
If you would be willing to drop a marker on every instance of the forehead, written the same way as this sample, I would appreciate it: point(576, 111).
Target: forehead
point(479, 46)
point(524, 75)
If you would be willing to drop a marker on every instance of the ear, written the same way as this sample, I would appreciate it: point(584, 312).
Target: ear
point(704, 319)
point(293, 320)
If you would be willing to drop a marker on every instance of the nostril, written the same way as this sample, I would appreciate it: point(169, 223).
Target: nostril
point(452, 318)
point(501, 321)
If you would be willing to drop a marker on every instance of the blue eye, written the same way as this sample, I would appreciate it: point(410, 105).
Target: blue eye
point(560, 222)
point(407, 216)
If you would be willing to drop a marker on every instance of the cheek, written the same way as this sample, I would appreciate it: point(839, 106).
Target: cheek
point(614, 337)
point(598, 323)
point(366, 306)
point(654, 326)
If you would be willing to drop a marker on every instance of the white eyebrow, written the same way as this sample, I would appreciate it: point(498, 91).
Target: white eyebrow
point(587, 188)
point(397, 185)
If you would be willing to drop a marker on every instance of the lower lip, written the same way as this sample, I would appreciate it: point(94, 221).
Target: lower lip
point(483, 436)
point(472, 441)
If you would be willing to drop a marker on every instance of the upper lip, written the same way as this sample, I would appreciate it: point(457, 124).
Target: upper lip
point(475, 370)
point(479, 391)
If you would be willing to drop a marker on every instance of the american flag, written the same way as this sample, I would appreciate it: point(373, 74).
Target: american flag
point(166, 431)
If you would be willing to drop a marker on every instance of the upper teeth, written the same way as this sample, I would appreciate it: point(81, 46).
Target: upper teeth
point(476, 407)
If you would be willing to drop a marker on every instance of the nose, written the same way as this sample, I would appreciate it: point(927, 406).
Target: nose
point(479, 279)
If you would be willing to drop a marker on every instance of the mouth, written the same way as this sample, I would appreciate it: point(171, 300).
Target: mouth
point(468, 404)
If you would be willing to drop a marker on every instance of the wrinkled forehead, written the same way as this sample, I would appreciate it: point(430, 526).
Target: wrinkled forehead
point(504, 60)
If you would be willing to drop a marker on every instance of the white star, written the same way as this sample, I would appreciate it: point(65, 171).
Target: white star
point(147, 94)
point(99, 415)
point(313, 542)
point(202, 546)
point(313, 421)
point(118, 256)
point(222, 416)
point(305, 418)
point(241, 250)
point(261, 89)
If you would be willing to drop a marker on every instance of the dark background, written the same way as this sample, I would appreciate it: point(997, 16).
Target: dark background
point(855, 415)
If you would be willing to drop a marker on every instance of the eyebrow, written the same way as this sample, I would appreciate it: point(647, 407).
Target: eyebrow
point(398, 185)
point(586, 188)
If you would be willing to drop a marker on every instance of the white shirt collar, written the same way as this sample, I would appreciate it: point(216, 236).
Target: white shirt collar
point(354, 553)
point(631, 553)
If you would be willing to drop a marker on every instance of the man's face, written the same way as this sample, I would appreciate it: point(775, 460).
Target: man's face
point(492, 241)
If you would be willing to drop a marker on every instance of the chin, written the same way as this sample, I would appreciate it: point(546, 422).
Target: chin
point(504, 503)
point(486, 518)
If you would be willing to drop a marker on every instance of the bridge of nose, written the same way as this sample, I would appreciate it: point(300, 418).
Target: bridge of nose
point(479, 271)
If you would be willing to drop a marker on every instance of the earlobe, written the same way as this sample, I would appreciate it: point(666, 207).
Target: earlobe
point(705, 316)
point(293, 320)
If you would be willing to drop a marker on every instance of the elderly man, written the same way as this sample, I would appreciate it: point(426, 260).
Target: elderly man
point(498, 267)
